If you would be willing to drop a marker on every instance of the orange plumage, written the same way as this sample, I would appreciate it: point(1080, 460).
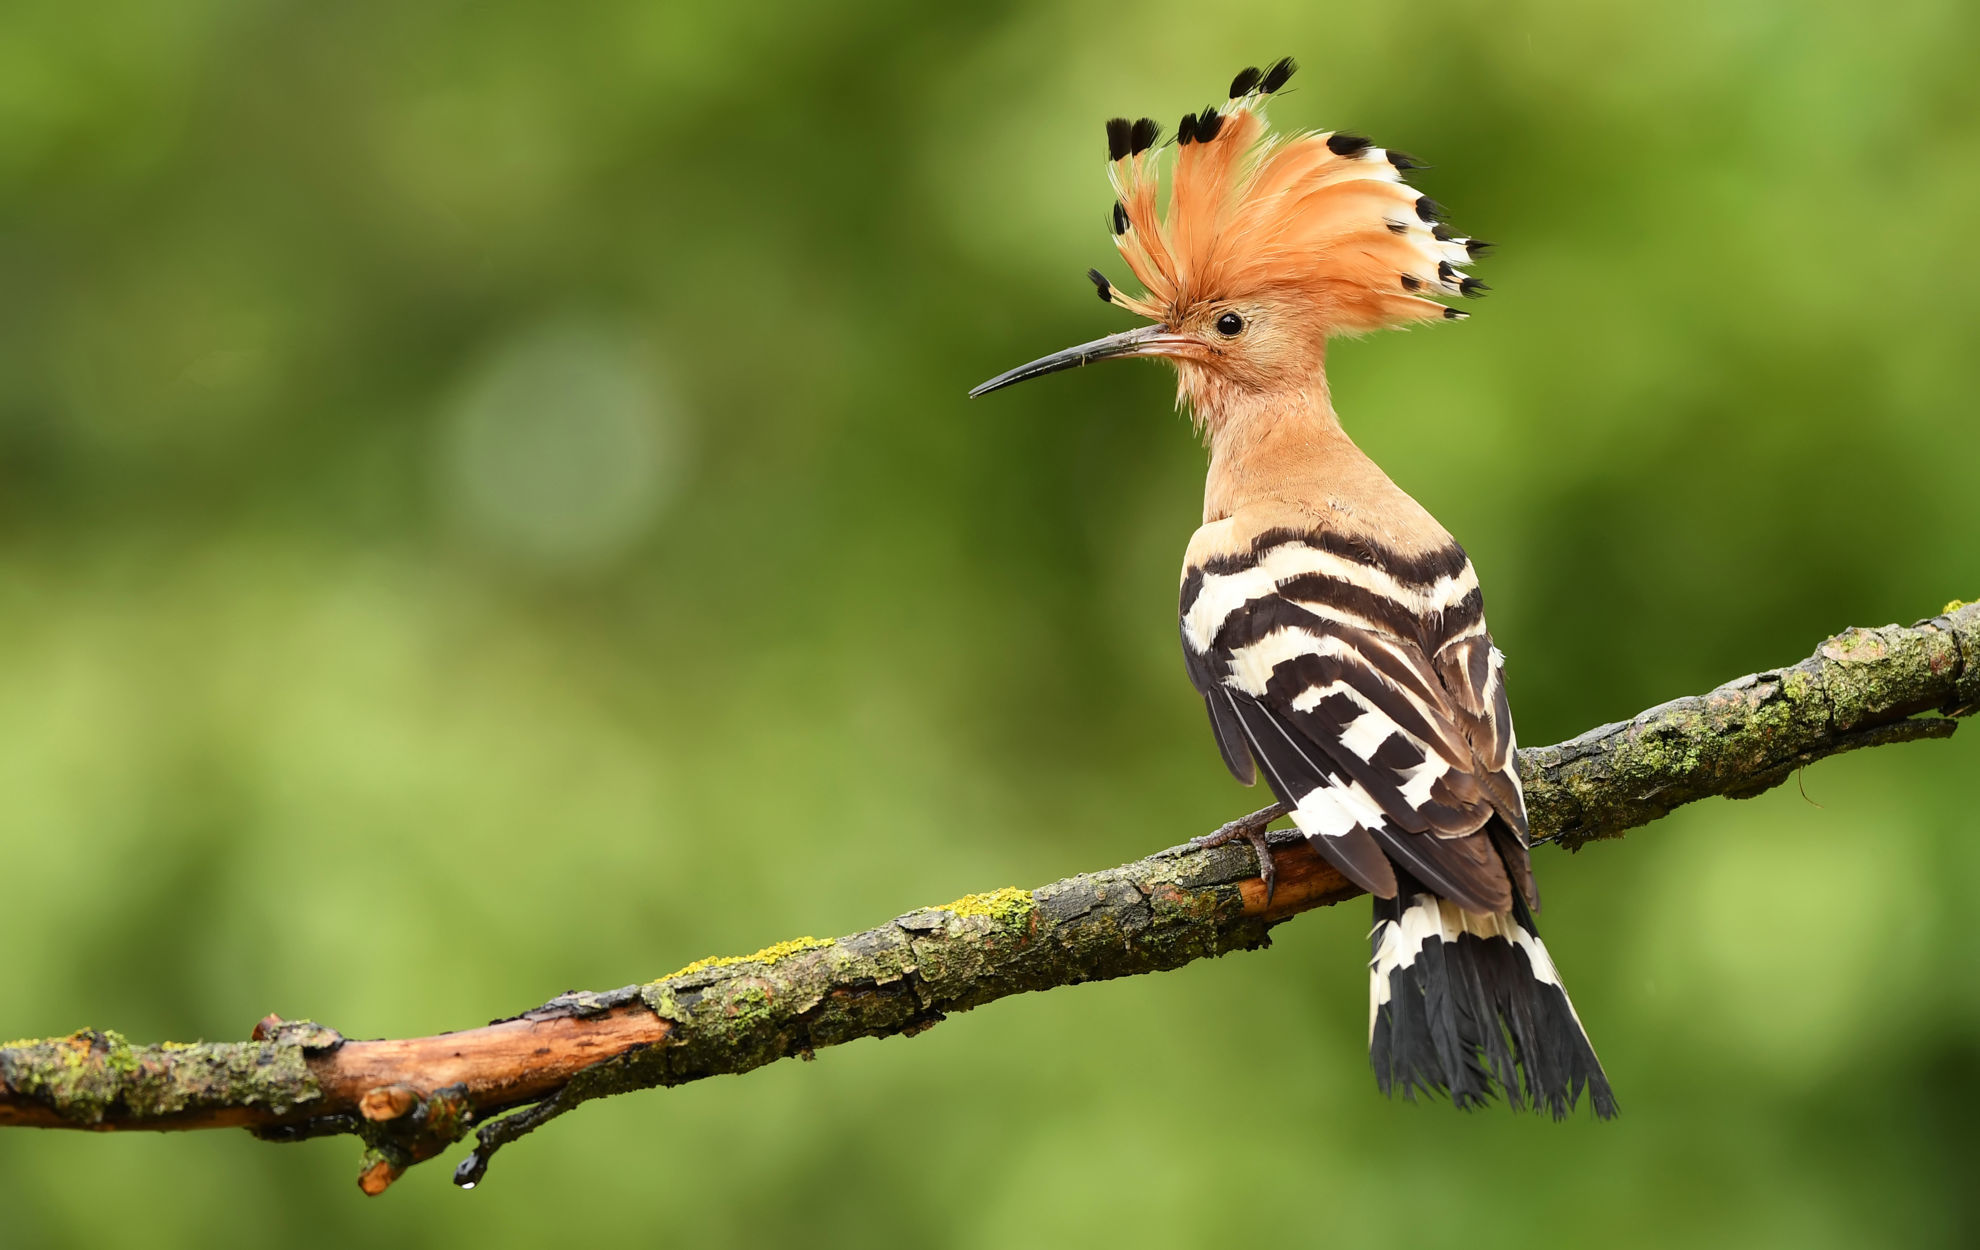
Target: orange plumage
point(1322, 215)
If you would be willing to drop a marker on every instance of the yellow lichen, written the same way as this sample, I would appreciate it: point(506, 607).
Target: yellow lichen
point(75, 1048)
point(1953, 607)
point(1009, 906)
point(768, 955)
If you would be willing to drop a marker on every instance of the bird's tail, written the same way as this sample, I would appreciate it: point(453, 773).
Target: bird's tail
point(1460, 1002)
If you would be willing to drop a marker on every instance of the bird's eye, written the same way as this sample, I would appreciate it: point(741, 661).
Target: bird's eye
point(1230, 325)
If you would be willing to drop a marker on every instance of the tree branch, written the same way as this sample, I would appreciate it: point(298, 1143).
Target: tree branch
point(409, 1099)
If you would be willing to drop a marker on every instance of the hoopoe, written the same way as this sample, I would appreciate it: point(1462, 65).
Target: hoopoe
point(1334, 629)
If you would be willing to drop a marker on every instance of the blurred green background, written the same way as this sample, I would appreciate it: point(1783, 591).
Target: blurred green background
point(488, 507)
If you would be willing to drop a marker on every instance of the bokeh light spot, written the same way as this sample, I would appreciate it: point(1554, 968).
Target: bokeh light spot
point(561, 447)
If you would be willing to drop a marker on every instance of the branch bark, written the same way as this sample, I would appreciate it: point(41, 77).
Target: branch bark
point(409, 1099)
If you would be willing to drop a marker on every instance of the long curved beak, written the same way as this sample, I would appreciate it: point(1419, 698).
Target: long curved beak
point(1147, 341)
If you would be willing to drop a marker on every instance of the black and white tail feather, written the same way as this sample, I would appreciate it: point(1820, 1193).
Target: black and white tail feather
point(1460, 1002)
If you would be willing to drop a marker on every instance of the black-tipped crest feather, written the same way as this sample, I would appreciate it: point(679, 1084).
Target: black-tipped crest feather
point(1119, 131)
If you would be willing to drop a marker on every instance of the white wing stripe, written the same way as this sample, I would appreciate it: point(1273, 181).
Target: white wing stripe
point(1416, 783)
point(1220, 595)
point(1367, 732)
point(1332, 811)
point(1224, 593)
point(1252, 664)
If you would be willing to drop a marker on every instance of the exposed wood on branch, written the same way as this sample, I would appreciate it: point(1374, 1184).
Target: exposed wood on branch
point(410, 1099)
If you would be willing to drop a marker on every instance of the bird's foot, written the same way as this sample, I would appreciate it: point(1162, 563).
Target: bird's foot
point(1251, 829)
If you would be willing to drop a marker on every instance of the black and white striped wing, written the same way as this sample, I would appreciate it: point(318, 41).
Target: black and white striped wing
point(1367, 688)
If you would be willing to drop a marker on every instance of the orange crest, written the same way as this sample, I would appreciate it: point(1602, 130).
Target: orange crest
point(1324, 215)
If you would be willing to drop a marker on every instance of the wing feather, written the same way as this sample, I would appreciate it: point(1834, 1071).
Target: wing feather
point(1306, 787)
point(1230, 735)
point(1371, 693)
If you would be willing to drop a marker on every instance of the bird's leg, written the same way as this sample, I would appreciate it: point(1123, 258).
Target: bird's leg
point(1252, 829)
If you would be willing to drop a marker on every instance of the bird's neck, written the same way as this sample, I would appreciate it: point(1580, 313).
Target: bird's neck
point(1284, 459)
point(1274, 447)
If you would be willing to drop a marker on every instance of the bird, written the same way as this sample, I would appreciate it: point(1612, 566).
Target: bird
point(1334, 629)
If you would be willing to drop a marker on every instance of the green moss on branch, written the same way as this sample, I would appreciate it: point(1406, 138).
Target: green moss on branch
point(1863, 687)
point(732, 1014)
point(91, 1076)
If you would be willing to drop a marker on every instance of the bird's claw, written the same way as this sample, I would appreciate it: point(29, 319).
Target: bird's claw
point(1252, 829)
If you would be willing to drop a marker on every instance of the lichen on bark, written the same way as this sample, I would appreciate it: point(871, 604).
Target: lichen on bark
point(1862, 687)
point(91, 1074)
point(730, 1014)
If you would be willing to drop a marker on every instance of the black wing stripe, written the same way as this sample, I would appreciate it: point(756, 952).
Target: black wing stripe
point(1421, 570)
point(1464, 618)
point(1229, 732)
point(1295, 678)
point(1296, 779)
point(1337, 597)
point(1464, 870)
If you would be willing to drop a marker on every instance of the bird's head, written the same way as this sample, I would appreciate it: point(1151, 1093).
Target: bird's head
point(1265, 247)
